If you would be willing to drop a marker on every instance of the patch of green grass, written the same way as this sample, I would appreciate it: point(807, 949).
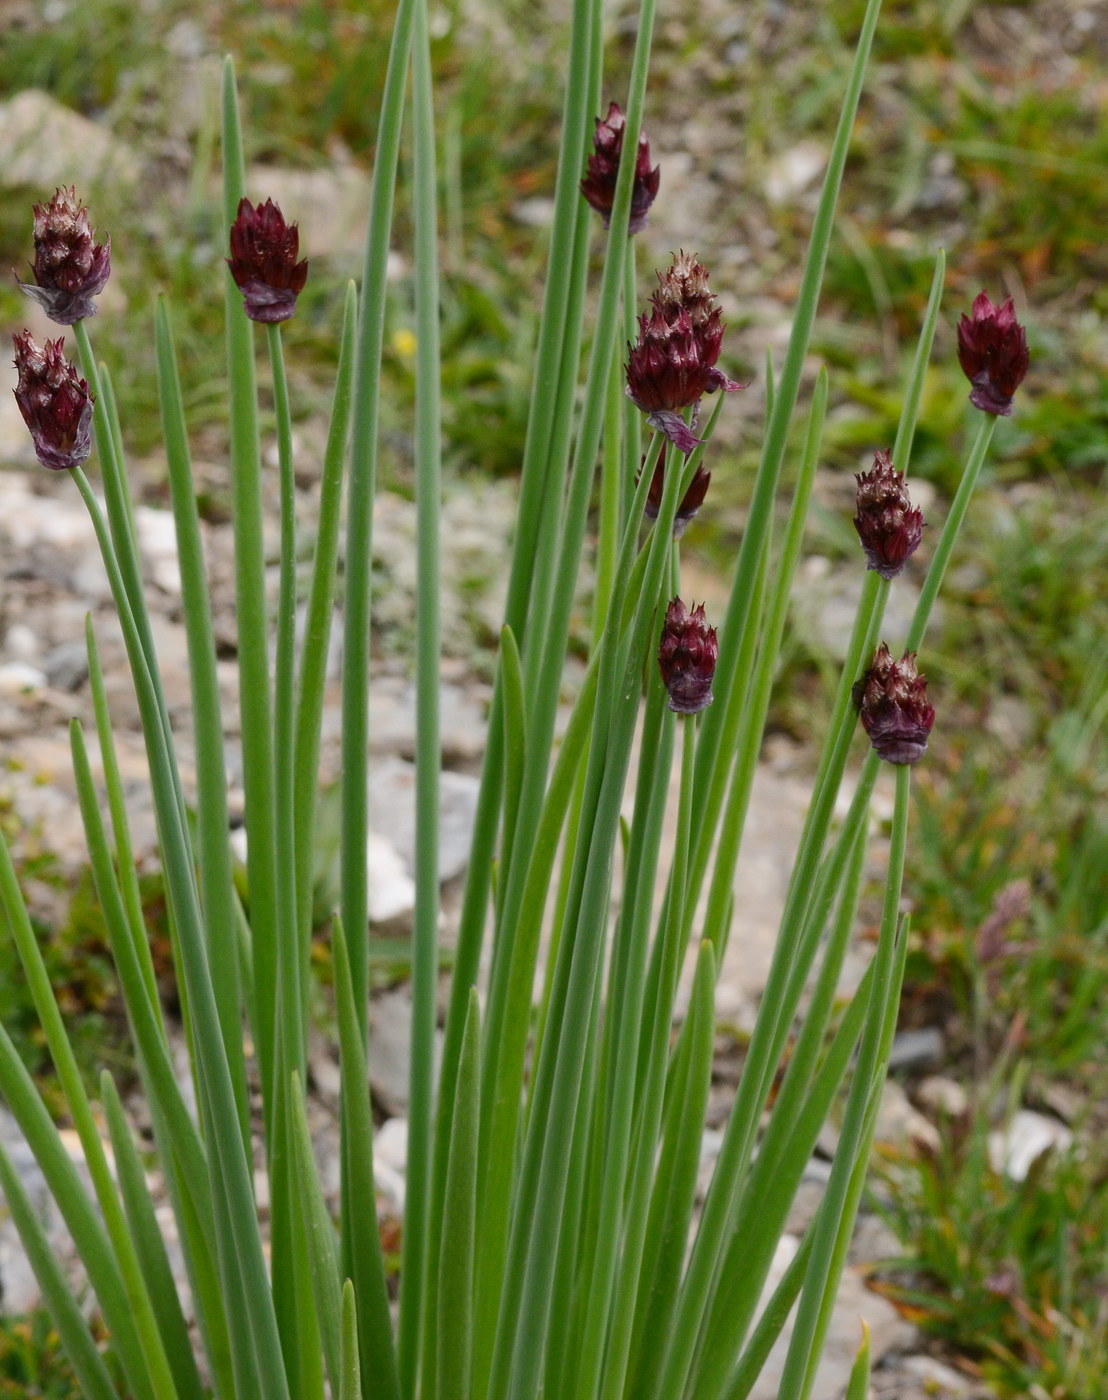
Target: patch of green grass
point(32, 1361)
point(1009, 1272)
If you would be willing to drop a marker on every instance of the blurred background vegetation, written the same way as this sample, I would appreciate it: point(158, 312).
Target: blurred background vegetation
point(984, 131)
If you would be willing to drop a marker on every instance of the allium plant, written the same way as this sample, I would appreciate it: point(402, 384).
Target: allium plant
point(552, 1168)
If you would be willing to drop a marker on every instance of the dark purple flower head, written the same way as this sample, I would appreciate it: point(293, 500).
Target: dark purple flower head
point(687, 658)
point(599, 184)
point(55, 403)
point(892, 701)
point(263, 262)
point(690, 502)
point(70, 267)
point(992, 350)
point(673, 363)
point(888, 526)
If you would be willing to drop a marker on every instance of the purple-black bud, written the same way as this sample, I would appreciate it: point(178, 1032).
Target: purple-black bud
point(599, 184)
point(687, 658)
point(673, 362)
point(690, 502)
point(70, 267)
point(263, 262)
point(892, 701)
point(889, 527)
point(55, 403)
point(992, 350)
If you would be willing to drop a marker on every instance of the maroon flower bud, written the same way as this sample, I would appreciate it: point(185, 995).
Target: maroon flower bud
point(690, 503)
point(55, 403)
point(888, 526)
point(70, 267)
point(992, 350)
point(673, 362)
point(687, 658)
point(599, 184)
point(892, 701)
point(263, 262)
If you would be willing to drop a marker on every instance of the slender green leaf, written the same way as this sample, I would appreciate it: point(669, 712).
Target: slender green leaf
point(212, 824)
point(459, 1223)
point(322, 1240)
point(84, 1357)
point(858, 1386)
point(674, 1191)
point(362, 1260)
point(150, 1247)
point(350, 1382)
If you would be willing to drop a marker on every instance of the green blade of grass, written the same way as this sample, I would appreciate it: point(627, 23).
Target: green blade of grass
point(212, 824)
point(350, 1383)
point(515, 733)
point(858, 1386)
point(459, 1224)
point(359, 524)
point(419, 1268)
point(721, 720)
point(155, 1365)
point(656, 1022)
point(674, 1190)
point(125, 857)
point(150, 1247)
point(242, 1261)
point(323, 1252)
point(80, 1348)
point(362, 1260)
point(828, 1252)
point(318, 617)
point(251, 619)
point(78, 1212)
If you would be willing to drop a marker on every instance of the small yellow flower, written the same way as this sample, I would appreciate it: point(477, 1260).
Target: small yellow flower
point(404, 343)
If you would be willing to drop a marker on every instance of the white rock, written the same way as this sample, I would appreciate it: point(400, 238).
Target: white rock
point(390, 1160)
point(17, 677)
point(331, 206)
point(391, 891)
point(46, 144)
point(1014, 1150)
point(854, 1303)
point(21, 642)
point(57, 521)
point(938, 1380)
point(939, 1095)
point(157, 537)
point(392, 809)
point(793, 171)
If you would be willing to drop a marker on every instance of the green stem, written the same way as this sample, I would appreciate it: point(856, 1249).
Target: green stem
point(414, 1268)
point(956, 515)
point(359, 522)
point(252, 625)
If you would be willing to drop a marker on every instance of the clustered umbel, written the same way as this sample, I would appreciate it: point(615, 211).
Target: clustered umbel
point(599, 183)
point(888, 525)
point(687, 658)
point(689, 504)
point(264, 250)
point(992, 350)
point(54, 401)
point(70, 267)
point(891, 699)
point(673, 363)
